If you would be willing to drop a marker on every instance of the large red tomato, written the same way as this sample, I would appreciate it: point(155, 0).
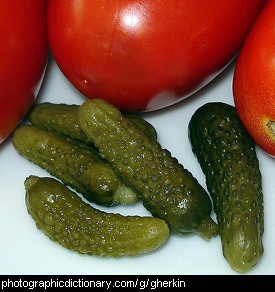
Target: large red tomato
point(23, 56)
point(254, 80)
point(146, 54)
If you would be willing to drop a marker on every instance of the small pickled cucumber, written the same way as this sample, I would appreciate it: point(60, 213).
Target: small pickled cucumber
point(227, 156)
point(62, 119)
point(167, 190)
point(77, 167)
point(66, 218)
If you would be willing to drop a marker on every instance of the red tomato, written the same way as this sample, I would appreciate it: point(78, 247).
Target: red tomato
point(146, 54)
point(23, 56)
point(254, 80)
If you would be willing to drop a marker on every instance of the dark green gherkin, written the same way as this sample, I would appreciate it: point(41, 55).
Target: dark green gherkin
point(227, 156)
point(167, 189)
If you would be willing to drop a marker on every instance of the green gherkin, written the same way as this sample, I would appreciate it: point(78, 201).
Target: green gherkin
point(76, 225)
point(167, 190)
point(62, 119)
point(228, 159)
point(82, 169)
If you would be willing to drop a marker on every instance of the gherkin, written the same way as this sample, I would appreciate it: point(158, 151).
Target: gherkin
point(64, 217)
point(167, 189)
point(75, 165)
point(228, 159)
point(62, 119)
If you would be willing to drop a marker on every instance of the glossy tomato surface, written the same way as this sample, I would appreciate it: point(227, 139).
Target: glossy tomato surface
point(23, 56)
point(254, 80)
point(146, 54)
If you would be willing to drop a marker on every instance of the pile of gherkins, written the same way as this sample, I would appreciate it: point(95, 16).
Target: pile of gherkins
point(114, 158)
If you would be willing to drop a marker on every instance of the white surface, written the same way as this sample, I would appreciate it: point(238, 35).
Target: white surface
point(26, 250)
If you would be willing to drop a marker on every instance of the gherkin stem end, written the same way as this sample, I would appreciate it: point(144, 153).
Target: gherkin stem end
point(207, 229)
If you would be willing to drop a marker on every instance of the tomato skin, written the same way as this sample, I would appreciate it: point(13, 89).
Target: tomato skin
point(254, 80)
point(144, 55)
point(23, 57)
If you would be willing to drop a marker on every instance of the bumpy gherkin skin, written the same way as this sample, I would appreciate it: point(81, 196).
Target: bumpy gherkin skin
point(76, 225)
point(62, 119)
point(77, 167)
point(167, 190)
point(227, 156)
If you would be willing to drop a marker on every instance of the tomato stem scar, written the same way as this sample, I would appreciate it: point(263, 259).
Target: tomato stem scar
point(271, 128)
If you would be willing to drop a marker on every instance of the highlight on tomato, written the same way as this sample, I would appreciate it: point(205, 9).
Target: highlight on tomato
point(143, 55)
point(23, 58)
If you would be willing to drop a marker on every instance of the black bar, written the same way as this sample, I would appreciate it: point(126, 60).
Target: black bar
point(137, 282)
